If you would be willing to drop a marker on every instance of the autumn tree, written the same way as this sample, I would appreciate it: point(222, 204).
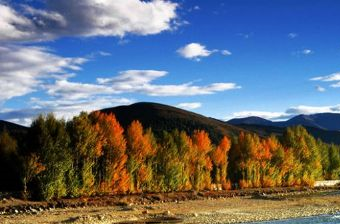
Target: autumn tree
point(31, 168)
point(220, 161)
point(141, 147)
point(201, 161)
point(112, 171)
point(306, 152)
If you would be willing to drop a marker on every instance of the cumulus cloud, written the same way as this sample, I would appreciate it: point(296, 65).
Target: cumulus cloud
point(24, 69)
point(334, 78)
point(86, 18)
point(189, 106)
point(196, 51)
point(61, 108)
point(289, 113)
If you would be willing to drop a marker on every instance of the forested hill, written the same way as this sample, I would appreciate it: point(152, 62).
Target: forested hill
point(11, 127)
point(15, 130)
point(162, 117)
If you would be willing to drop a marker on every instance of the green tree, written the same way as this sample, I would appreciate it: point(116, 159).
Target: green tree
point(85, 146)
point(307, 153)
point(50, 141)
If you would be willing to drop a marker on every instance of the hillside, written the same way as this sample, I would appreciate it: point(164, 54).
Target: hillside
point(163, 117)
point(14, 129)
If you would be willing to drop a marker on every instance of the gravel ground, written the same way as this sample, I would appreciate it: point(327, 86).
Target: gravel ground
point(209, 210)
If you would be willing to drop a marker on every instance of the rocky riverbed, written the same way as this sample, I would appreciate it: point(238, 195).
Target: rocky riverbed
point(254, 207)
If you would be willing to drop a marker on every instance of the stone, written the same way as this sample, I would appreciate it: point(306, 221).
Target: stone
point(167, 212)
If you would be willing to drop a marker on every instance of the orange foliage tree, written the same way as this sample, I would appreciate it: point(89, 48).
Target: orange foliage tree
point(220, 160)
point(141, 147)
point(112, 168)
point(201, 161)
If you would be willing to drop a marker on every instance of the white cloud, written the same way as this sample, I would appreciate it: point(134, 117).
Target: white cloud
point(140, 81)
point(307, 51)
point(13, 26)
point(328, 78)
point(293, 35)
point(189, 106)
point(336, 85)
point(187, 89)
point(24, 69)
point(61, 108)
point(76, 90)
point(334, 77)
point(302, 109)
point(131, 78)
point(194, 51)
point(132, 81)
point(303, 52)
point(86, 18)
point(226, 52)
point(320, 89)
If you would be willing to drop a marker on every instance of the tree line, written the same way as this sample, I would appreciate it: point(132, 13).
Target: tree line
point(92, 154)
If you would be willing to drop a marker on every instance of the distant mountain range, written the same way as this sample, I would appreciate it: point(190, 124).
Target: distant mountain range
point(160, 117)
point(325, 121)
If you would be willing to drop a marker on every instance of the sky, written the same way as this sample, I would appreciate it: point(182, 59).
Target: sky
point(220, 58)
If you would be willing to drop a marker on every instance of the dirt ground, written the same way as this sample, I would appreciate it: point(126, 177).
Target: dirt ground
point(205, 208)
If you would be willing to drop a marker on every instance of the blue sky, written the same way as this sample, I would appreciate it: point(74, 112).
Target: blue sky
point(223, 59)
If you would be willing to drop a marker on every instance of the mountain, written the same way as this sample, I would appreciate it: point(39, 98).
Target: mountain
point(250, 120)
point(12, 128)
point(163, 117)
point(325, 126)
point(326, 121)
point(325, 135)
